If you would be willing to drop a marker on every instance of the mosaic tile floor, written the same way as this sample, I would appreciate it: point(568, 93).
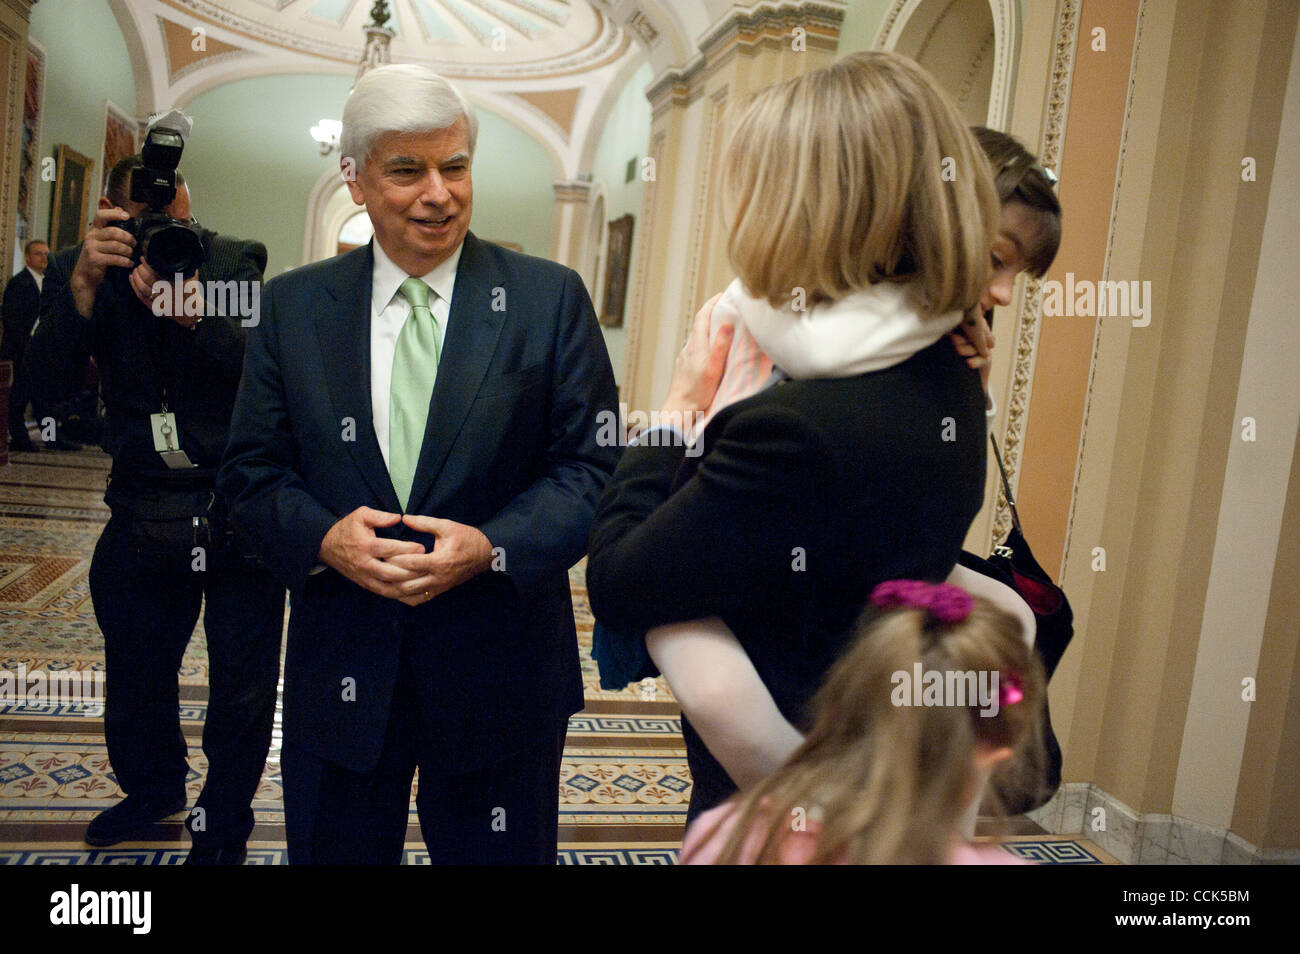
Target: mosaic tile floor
point(624, 783)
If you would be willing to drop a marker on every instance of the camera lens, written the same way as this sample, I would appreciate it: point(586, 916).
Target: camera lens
point(174, 249)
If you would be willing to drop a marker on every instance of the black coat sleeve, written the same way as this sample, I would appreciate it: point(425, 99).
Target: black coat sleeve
point(726, 534)
point(222, 337)
point(577, 466)
point(258, 476)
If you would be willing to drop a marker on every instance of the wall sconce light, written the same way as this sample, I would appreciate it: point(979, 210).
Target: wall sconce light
point(326, 132)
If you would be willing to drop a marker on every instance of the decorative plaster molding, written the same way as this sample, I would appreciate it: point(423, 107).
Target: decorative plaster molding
point(963, 91)
point(924, 45)
point(639, 24)
point(1105, 270)
point(231, 21)
point(594, 253)
point(700, 221)
point(1006, 39)
point(1031, 296)
point(767, 24)
point(636, 318)
point(571, 190)
point(13, 123)
point(1006, 34)
point(1062, 74)
point(549, 107)
point(177, 73)
point(33, 199)
point(607, 40)
point(774, 19)
point(886, 29)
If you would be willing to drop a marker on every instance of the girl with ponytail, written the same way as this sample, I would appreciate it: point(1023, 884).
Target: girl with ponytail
point(888, 771)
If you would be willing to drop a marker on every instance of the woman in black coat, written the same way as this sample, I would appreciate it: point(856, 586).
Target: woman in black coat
point(810, 492)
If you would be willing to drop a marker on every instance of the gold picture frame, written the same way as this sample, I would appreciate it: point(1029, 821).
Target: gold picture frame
point(70, 210)
point(121, 135)
point(30, 160)
point(618, 262)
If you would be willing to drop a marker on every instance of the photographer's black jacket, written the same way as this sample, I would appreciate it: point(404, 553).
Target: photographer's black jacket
point(144, 359)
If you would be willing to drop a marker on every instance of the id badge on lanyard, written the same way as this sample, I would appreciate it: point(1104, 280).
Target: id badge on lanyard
point(166, 440)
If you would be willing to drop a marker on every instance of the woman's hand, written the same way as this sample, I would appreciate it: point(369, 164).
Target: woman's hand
point(699, 367)
point(974, 341)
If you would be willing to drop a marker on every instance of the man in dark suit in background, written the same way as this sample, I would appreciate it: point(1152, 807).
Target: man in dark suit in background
point(414, 443)
point(22, 302)
point(169, 370)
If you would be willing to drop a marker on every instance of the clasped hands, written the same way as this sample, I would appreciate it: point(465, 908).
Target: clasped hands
point(401, 569)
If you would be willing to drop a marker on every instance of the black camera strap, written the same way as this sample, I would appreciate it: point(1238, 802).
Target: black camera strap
point(166, 431)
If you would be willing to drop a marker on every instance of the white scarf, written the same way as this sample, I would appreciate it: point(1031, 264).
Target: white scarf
point(869, 330)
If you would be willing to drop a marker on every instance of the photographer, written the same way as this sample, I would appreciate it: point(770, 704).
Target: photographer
point(168, 380)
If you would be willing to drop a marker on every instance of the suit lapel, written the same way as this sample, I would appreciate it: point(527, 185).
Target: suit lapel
point(472, 331)
point(343, 330)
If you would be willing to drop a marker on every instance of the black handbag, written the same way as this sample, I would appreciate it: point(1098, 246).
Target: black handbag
point(1023, 785)
point(167, 525)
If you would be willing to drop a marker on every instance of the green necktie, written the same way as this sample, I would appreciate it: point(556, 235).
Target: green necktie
point(415, 366)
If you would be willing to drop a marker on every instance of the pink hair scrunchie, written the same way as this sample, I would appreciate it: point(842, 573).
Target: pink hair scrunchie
point(945, 602)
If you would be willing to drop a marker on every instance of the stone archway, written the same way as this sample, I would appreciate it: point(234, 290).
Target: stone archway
point(969, 46)
point(594, 248)
point(326, 214)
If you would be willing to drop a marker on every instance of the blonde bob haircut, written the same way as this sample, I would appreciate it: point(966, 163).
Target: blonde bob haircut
point(858, 173)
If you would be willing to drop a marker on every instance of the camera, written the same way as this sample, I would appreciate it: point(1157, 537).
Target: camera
point(169, 246)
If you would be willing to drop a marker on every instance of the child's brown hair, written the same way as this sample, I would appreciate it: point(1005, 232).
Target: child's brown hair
point(1019, 177)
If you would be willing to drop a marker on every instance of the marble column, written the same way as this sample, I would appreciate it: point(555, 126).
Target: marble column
point(683, 260)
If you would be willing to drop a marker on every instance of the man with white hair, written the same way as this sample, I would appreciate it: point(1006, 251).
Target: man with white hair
point(415, 446)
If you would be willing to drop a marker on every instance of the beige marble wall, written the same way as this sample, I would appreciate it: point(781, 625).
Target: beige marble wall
point(1148, 702)
point(1175, 539)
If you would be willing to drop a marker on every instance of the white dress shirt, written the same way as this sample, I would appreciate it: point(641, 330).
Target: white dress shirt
point(40, 287)
point(389, 310)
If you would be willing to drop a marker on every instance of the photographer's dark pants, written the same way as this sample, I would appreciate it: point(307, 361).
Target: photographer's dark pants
point(147, 613)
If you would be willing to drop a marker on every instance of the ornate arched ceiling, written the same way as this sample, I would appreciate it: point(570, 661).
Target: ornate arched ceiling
point(552, 66)
point(480, 38)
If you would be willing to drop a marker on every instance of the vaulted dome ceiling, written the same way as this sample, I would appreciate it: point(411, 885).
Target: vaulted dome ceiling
point(460, 37)
point(553, 67)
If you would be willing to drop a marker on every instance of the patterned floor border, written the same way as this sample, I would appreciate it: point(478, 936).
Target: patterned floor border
point(625, 784)
point(1053, 851)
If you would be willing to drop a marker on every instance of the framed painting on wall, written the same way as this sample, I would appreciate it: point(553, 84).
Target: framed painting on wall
point(120, 132)
point(618, 261)
point(70, 209)
point(29, 160)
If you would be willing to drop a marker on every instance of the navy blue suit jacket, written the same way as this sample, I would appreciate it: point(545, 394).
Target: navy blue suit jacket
point(510, 447)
